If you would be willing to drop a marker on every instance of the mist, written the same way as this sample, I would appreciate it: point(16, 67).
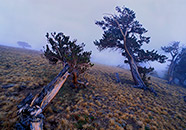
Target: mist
point(29, 21)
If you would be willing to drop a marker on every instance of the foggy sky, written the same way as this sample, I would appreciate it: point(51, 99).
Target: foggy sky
point(29, 20)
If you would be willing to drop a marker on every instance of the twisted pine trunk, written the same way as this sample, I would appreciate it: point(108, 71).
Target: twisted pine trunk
point(170, 72)
point(134, 69)
point(171, 69)
point(172, 66)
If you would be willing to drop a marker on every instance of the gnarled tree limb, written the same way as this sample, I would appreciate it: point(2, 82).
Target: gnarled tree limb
point(30, 109)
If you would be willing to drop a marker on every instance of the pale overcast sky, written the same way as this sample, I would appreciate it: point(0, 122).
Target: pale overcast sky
point(29, 20)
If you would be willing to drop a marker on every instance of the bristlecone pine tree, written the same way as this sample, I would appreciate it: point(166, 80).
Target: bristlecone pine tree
point(179, 71)
point(173, 49)
point(62, 49)
point(123, 32)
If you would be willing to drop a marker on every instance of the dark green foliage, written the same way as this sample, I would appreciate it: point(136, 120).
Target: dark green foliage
point(62, 49)
point(173, 49)
point(143, 72)
point(112, 38)
point(87, 119)
point(80, 124)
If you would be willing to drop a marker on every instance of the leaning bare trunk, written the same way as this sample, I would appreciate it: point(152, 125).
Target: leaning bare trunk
point(30, 109)
point(170, 71)
point(171, 68)
point(135, 75)
point(134, 70)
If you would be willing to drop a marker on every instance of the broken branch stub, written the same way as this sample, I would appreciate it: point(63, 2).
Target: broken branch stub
point(30, 109)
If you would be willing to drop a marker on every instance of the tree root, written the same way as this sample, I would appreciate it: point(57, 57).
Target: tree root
point(146, 88)
point(84, 84)
point(76, 82)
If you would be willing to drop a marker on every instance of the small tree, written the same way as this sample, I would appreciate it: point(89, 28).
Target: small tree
point(125, 33)
point(24, 44)
point(68, 52)
point(173, 49)
point(75, 61)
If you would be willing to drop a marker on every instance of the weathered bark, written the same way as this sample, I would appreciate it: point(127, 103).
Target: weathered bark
point(136, 76)
point(171, 68)
point(30, 108)
point(74, 79)
point(49, 92)
point(170, 71)
point(134, 70)
point(38, 125)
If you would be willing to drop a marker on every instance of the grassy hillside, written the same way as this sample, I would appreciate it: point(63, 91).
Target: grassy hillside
point(104, 104)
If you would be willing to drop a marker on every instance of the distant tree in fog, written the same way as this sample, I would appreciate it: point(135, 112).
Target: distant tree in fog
point(125, 33)
point(177, 70)
point(173, 49)
point(24, 44)
point(180, 67)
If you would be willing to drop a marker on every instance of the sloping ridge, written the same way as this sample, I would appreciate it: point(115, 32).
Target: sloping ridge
point(103, 104)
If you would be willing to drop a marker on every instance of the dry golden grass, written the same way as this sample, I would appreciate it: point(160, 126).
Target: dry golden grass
point(104, 104)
